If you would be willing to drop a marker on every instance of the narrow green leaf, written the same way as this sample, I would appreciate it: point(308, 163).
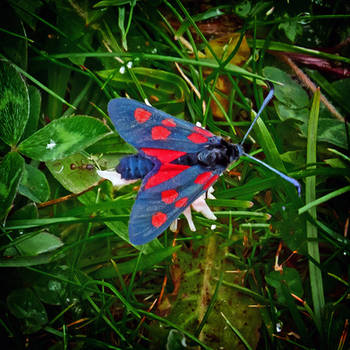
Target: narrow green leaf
point(106, 319)
point(239, 213)
point(121, 20)
point(104, 3)
point(58, 78)
point(63, 137)
point(279, 46)
point(146, 262)
point(14, 104)
point(270, 149)
point(323, 199)
point(268, 145)
point(30, 223)
point(11, 171)
point(129, 307)
point(232, 203)
point(165, 85)
point(340, 154)
point(294, 312)
point(42, 86)
point(310, 196)
point(175, 326)
point(210, 13)
point(210, 63)
point(249, 189)
point(24, 261)
point(237, 332)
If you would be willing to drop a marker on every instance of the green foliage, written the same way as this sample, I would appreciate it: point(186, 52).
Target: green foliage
point(25, 305)
point(289, 93)
point(39, 243)
point(14, 108)
point(290, 278)
point(63, 137)
point(165, 85)
point(11, 171)
point(72, 172)
point(202, 291)
point(271, 272)
point(34, 184)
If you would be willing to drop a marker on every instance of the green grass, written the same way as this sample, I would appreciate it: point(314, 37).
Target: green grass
point(273, 273)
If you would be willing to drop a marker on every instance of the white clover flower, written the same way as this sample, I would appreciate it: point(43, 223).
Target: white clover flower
point(200, 206)
point(114, 177)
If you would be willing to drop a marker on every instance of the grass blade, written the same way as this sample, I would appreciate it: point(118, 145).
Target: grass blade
point(237, 332)
point(323, 199)
point(310, 196)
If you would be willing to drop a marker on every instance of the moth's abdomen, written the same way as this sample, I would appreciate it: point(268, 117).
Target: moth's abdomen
point(134, 167)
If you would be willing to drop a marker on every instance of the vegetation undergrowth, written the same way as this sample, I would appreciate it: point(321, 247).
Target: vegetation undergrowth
point(271, 272)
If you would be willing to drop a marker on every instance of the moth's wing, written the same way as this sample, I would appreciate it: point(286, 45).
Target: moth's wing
point(147, 127)
point(159, 203)
point(169, 188)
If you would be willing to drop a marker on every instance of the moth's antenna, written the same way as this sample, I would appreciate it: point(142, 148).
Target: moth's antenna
point(283, 176)
point(265, 102)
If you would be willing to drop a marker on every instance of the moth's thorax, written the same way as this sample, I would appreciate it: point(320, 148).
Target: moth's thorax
point(221, 153)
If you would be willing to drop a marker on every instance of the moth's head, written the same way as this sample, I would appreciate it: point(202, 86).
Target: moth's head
point(233, 151)
point(219, 153)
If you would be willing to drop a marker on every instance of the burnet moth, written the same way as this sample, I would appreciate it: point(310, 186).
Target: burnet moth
point(176, 160)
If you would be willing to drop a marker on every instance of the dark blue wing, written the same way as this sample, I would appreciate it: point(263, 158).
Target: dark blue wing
point(169, 188)
point(144, 126)
point(156, 207)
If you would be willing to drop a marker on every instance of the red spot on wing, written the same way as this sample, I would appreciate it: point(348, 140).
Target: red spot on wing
point(165, 172)
point(203, 131)
point(163, 155)
point(203, 178)
point(141, 115)
point(160, 133)
point(158, 219)
point(206, 179)
point(168, 122)
point(195, 137)
point(210, 182)
point(181, 202)
point(169, 196)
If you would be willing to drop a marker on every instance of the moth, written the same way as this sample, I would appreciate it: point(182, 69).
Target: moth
point(176, 160)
